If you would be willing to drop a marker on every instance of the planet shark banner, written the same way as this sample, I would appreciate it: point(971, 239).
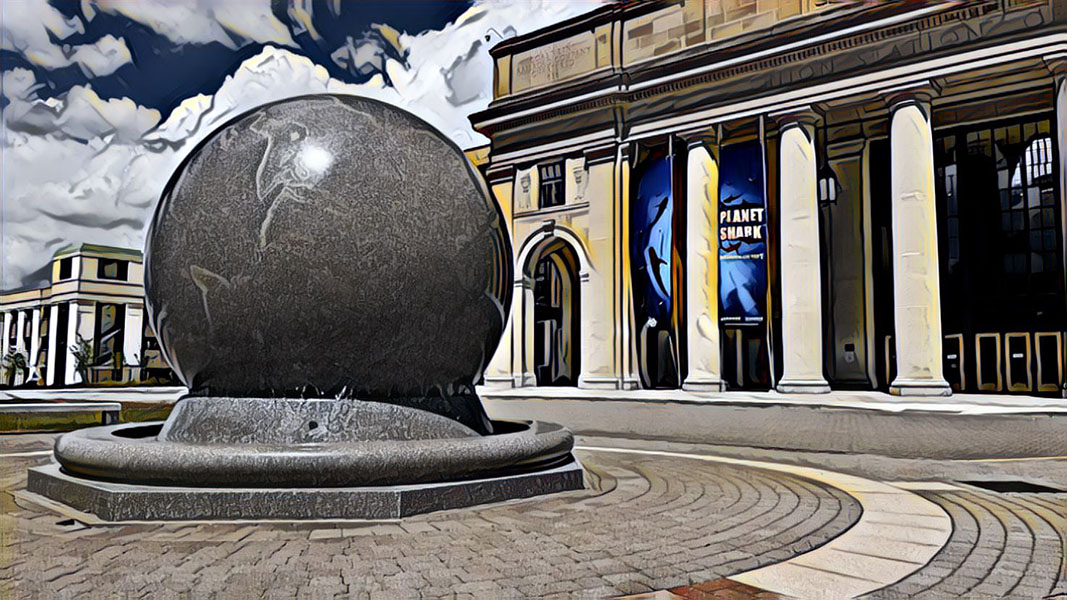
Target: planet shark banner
point(742, 235)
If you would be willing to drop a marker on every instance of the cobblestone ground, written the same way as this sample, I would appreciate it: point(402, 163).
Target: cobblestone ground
point(1002, 546)
point(648, 523)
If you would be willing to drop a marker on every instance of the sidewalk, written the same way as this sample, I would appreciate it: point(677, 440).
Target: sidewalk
point(153, 395)
point(975, 404)
point(978, 404)
point(959, 427)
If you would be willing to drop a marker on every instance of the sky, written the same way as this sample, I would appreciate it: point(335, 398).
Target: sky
point(101, 99)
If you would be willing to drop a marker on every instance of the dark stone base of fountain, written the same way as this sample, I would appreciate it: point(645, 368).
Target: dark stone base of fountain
point(124, 502)
point(244, 458)
point(280, 443)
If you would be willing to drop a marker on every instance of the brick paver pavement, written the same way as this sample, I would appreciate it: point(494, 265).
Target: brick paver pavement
point(1002, 546)
point(647, 523)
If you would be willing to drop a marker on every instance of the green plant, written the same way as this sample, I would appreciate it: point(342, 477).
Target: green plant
point(14, 362)
point(84, 355)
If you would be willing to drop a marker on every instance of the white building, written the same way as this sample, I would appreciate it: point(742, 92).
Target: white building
point(800, 195)
point(97, 295)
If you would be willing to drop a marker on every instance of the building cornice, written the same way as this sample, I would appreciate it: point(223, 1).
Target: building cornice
point(706, 67)
point(615, 11)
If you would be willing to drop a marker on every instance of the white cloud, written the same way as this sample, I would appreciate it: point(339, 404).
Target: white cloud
point(79, 168)
point(230, 23)
point(82, 169)
point(29, 26)
point(79, 115)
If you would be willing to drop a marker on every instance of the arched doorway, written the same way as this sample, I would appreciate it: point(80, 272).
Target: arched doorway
point(556, 316)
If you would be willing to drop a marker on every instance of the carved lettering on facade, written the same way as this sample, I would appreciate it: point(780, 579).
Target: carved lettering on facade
point(554, 62)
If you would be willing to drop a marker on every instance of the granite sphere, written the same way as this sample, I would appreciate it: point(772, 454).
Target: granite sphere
point(328, 246)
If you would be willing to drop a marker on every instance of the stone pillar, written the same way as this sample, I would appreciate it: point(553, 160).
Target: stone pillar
point(523, 331)
point(916, 281)
point(627, 350)
point(53, 329)
point(20, 332)
point(81, 323)
point(1058, 65)
point(4, 375)
point(498, 371)
point(7, 334)
point(132, 333)
point(704, 372)
point(801, 278)
point(599, 369)
point(35, 342)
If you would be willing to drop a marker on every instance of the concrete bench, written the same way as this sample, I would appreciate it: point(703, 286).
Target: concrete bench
point(109, 411)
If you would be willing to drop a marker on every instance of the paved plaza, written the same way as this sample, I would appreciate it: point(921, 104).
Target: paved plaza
point(673, 518)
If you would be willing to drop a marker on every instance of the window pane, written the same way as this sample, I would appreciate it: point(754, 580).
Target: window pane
point(1033, 197)
point(1036, 264)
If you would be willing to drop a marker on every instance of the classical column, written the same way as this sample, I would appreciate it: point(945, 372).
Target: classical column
point(35, 342)
point(599, 369)
point(20, 333)
point(7, 334)
point(53, 329)
point(498, 371)
point(627, 351)
point(704, 372)
point(801, 278)
point(1058, 65)
point(523, 331)
point(916, 281)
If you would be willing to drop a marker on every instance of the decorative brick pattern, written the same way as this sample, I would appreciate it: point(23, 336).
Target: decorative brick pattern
point(1002, 546)
point(650, 523)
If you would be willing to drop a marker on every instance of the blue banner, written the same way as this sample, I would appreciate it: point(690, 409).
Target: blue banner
point(653, 212)
point(653, 265)
point(742, 235)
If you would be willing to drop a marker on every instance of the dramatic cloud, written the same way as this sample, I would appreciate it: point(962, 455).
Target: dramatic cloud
point(227, 22)
point(78, 168)
point(30, 27)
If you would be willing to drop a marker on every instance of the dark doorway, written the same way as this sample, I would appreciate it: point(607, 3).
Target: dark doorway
point(745, 358)
point(59, 362)
point(885, 364)
point(556, 317)
point(110, 328)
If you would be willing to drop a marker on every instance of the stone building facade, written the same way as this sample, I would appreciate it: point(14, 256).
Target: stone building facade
point(94, 306)
point(798, 195)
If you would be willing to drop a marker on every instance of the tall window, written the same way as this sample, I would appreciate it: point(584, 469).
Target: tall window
point(551, 192)
point(112, 269)
point(66, 267)
point(999, 226)
point(945, 152)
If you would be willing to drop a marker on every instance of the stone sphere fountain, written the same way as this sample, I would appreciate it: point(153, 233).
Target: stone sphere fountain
point(329, 277)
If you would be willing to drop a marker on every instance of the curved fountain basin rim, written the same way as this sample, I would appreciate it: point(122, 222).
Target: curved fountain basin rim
point(98, 453)
point(107, 433)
